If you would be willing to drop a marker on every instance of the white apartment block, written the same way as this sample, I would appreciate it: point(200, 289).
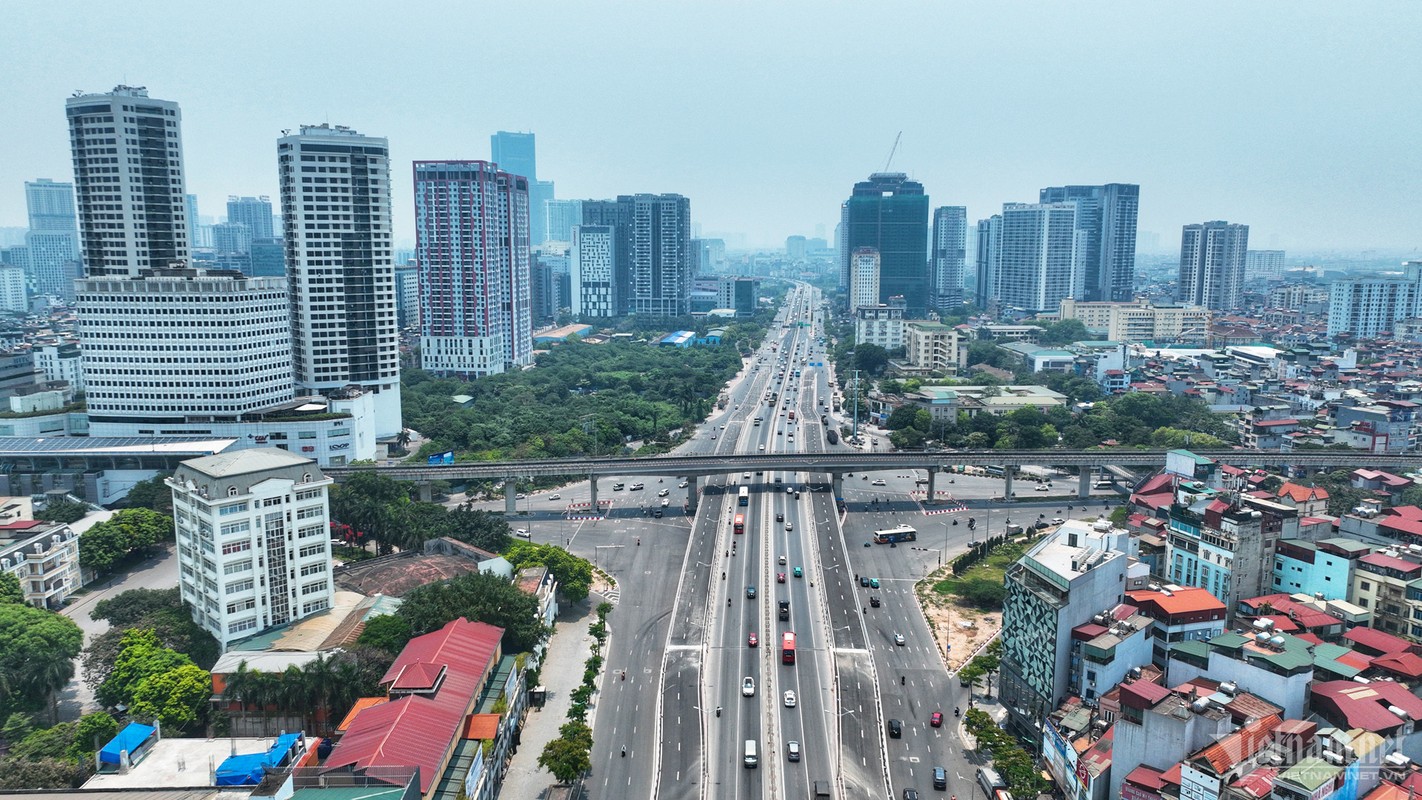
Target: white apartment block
point(864, 278)
point(43, 556)
point(335, 198)
point(13, 296)
point(1140, 321)
point(935, 347)
point(128, 181)
point(1367, 306)
point(879, 324)
point(1038, 259)
point(591, 260)
point(61, 361)
point(254, 541)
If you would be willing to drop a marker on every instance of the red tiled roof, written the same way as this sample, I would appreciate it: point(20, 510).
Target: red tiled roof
point(481, 726)
point(1147, 777)
point(1259, 783)
point(416, 676)
point(1365, 705)
point(1239, 746)
point(1172, 775)
point(1179, 601)
point(1380, 642)
point(418, 730)
point(1408, 665)
point(1245, 706)
point(1274, 423)
point(1309, 637)
point(1160, 482)
point(1302, 494)
point(1390, 562)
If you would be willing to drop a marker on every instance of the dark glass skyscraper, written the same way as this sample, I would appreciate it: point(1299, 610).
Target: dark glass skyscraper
point(1107, 216)
point(889, 213)
point(516, 154)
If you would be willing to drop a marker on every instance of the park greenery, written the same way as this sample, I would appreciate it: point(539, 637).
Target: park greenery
point(128, 532)
point(37, 651)
point(1009, 759)
point(978, 575)
point(58, 757)
point(1137, 419)
point(570, 755)
point(583, 399)
point(62, 510)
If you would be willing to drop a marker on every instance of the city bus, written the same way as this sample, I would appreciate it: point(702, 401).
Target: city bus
point(787, 648)
point(739, 525)
point(743, 496)
point(902, 533)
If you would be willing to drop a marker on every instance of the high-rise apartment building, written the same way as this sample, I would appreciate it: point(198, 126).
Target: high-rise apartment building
point(590, 267)
point(616, 214)
point(864, 278)
point(128, 179)
point(13, 296)
point(407, 295)
point(988, 250)
point(1366, 305)
point(1106, 216)
point(232, 238)
point(661, 255)
point(562, 216)
point(335, 196)
point(949, 254)
point(1033, 256)
point(51, 207)
point(516, 154)
point(795, 247)
point(1212, 259)
point(472, 253)
point(1263, 264)
point(254, 212)
point(254, 540)
point(52, 261)
point(889, 213)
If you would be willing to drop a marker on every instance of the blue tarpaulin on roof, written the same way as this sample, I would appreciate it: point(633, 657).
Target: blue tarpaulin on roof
point(130, 738)
point(247, 769)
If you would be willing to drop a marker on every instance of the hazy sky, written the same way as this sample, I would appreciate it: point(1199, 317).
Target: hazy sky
point(1299, 118)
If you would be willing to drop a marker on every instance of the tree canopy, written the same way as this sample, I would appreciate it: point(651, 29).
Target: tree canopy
point(478, 597)
point(574, 574)
point(109, 542)
point(37, 650)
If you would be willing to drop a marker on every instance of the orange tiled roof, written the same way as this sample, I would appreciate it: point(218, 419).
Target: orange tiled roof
point(1239, 746)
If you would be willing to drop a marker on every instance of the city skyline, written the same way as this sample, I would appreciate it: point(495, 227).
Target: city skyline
point(974, 141)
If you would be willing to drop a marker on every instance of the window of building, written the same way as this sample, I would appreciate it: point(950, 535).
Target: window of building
point(232, 491)
point(240, 526)
point(313, 569)
point(312, 550)
point(232, 508)
point(237, 606)
point(236, 587)
point(310, 512)
point(314, 588)
point(311, 530)
point(229, 548)
point(238, 567)
point(238, 626)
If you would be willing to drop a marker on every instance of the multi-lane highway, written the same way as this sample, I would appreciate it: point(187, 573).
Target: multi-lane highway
point(681, 634)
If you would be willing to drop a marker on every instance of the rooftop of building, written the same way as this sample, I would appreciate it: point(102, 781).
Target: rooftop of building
point(1369, 706)
point(1172, 600)
point(402, 573)
point(247, 462)
point(104, 446)
point(179, 763)
point(1237, 747)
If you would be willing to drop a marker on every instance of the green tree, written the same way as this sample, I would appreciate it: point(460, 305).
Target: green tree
point(10, 591)
point(37, 650)
point(871, 358)
point(142, 657)
point(107, 543)
point(52, 742)
point(65, 511)
point(1410, 497)
point(43, 773)
point(1063, 332)
point(565, 759)
point(478, 597)
point(574, 575)
point(92, 732)
point(151, 494)
point(389, 633)
point(177, 697)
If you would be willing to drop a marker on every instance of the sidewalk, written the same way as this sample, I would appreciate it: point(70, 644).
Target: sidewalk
point(993, 708)
point(568, 650)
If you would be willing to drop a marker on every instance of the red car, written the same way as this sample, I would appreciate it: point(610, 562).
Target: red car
point(753, 640)
point(936, 720)
point(779, 577)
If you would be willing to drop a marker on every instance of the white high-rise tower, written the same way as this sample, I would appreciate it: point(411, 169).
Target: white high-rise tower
point(335, 197)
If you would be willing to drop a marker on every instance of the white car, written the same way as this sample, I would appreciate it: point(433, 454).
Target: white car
point(1057, 520)
point(681, 485)
point(1041, 487)
point(748, 687)
point(664, 493)
point(555, 497)
point(762, 447)
point(899, 639)
point(522, 533)
point(789, 698)
point(877, 482)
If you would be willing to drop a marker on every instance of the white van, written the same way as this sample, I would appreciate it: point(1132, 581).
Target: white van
point(752, 761)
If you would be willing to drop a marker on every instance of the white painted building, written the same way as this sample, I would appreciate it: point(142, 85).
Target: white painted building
point(61, 361)
point(43, 556)
point(13, 296)
point(335, 198)
point(882, 325)
point(254, 542)
point(864, 278)
point(1367, 305)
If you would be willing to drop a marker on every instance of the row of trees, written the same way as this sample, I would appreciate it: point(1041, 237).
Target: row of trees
point(1009, 759)
point(323, 690)
point(570, 755)
point(126, 532)
point(1136, 419)
point(372, 508)
point(37, 651)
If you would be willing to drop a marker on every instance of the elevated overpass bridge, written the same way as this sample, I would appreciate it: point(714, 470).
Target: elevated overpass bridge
point(836, 464)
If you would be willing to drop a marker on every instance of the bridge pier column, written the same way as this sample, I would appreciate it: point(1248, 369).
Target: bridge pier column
point(1007, 484)
point(932, 496)
point(837, 484)
point(1083, 483)
point(693, 491)
point(426, 491)
point(510, 497)
point(592, 492)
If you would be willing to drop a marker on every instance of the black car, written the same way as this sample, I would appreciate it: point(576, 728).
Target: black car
point(910, 794)
point(874, 601)
point(864, 581)
point(779, 517)
point(750, 592)
point(896, 729)
point(940, 778)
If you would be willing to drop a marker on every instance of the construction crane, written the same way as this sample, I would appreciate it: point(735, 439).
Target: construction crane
point(893, 150)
